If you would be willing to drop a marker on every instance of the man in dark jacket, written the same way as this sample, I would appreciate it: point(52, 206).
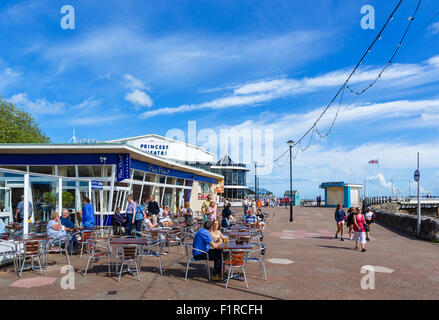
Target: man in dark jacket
point(153, 208)
point(118, 221)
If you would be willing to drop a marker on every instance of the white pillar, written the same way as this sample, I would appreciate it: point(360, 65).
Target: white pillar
point(59, 196)
point(110, 196)
point(26, 204)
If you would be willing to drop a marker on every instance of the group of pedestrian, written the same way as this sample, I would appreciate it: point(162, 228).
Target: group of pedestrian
point(319, 201)
point(355, 221)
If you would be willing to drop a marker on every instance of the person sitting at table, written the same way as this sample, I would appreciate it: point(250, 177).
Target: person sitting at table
point(88, 214)
point(227, 217)
point(2, 226)
point(215, 232)
point(164, 218)
point(250, 218)
point(260, 219)
point(147, 222)
point(203, 241)
point(118, 221)
point(65, 220)
point(58, 232)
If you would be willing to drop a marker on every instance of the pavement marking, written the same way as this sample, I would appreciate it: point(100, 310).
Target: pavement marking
point(288, 238)
point(280, 261)
point(33, 282)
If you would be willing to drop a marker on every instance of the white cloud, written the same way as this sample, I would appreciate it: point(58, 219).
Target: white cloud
point(435, 28)
point(132, 82)
point(7, 77)
point(139, 98)
point(41, 106)
point(88, 103)
point(398, 76)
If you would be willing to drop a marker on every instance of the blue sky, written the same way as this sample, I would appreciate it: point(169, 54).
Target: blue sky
point(136, 67)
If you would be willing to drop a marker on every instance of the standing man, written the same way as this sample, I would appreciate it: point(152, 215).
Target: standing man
point(131, 210)
point(19, 213)
point(88, 214)
point(153, 208)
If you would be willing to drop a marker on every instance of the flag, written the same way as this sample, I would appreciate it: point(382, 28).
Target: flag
point(373, 162)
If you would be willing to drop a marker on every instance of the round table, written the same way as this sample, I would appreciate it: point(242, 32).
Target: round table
point(127, 241)
point(30, 237)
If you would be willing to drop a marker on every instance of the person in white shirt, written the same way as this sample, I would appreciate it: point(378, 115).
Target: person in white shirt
point(369, 219)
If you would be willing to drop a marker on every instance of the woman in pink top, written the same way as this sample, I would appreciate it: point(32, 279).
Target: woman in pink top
point(211, 212)
point(359, 232)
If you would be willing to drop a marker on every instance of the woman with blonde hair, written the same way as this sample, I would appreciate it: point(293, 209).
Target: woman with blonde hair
point(211, 212)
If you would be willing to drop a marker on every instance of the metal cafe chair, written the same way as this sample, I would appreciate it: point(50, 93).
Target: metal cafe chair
point(175, 238)
point(31, 250)
point(148, 251)
point(130, 253)
point(10, 250)
point(99, 249)
point(191, 259)
point(258, 255)
point(86, 235)
point(237, 259)
point(59, 245)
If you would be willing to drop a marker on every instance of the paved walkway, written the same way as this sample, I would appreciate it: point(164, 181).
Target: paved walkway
point(303, 261)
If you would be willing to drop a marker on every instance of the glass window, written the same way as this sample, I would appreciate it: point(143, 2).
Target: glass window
point(150, 177)
point(162, 179)
point(138, 175)
point(89, 171)
point(189, 183)
point(66, 171)
point(42, 169)
point(179, 182)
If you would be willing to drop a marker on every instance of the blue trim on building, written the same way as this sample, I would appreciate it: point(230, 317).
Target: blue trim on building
point(143, 166)
point(94, 159)
point(347, 197)
point(326, 198)
point(57, 159)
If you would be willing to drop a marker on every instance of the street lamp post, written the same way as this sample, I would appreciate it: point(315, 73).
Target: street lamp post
point(290, 144)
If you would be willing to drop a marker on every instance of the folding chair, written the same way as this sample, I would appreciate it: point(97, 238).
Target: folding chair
point(191, 259)
point(99, 249)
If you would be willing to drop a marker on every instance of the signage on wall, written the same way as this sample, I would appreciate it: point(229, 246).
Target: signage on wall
point(123, 167)
point(155, 149)
point(97, 185)
point(220, 187)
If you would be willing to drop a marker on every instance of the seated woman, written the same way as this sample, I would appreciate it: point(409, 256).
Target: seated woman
point(165, 219)
point(215, 232)
point(147, 222)
point(58, 232)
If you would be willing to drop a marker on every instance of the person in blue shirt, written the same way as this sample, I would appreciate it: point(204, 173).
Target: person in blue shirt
point(340, 218)
point(138, 217)
point(2, 226)
point(65, 220)
point(203, 241)
point(88, 214)
point(250, 218)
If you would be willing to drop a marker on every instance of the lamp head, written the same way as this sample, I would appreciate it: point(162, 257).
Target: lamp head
point(290, 143)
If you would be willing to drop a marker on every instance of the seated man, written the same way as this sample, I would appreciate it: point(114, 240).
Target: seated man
point(164, 218)
point(118, 221)
point(203, 241)
point(66, 222)
point(2, 227)
point(58, 232)
point(250, 218)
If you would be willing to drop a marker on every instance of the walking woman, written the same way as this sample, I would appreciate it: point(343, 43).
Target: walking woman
point(359, 233)
point(340, 218)
point(350, 221)
point(370, 218)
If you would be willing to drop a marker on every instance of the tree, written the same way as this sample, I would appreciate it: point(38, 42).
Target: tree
point(18, 126)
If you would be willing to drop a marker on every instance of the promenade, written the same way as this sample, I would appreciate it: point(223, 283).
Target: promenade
point(303, 261)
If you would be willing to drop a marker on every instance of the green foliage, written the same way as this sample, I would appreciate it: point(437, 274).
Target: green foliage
point(18, 126)
point(52, 199)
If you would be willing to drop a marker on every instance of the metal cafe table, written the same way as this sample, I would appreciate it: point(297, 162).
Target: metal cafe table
point(127, 241)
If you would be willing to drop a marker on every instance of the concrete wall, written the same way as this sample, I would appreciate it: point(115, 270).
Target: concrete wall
point(407, 223)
